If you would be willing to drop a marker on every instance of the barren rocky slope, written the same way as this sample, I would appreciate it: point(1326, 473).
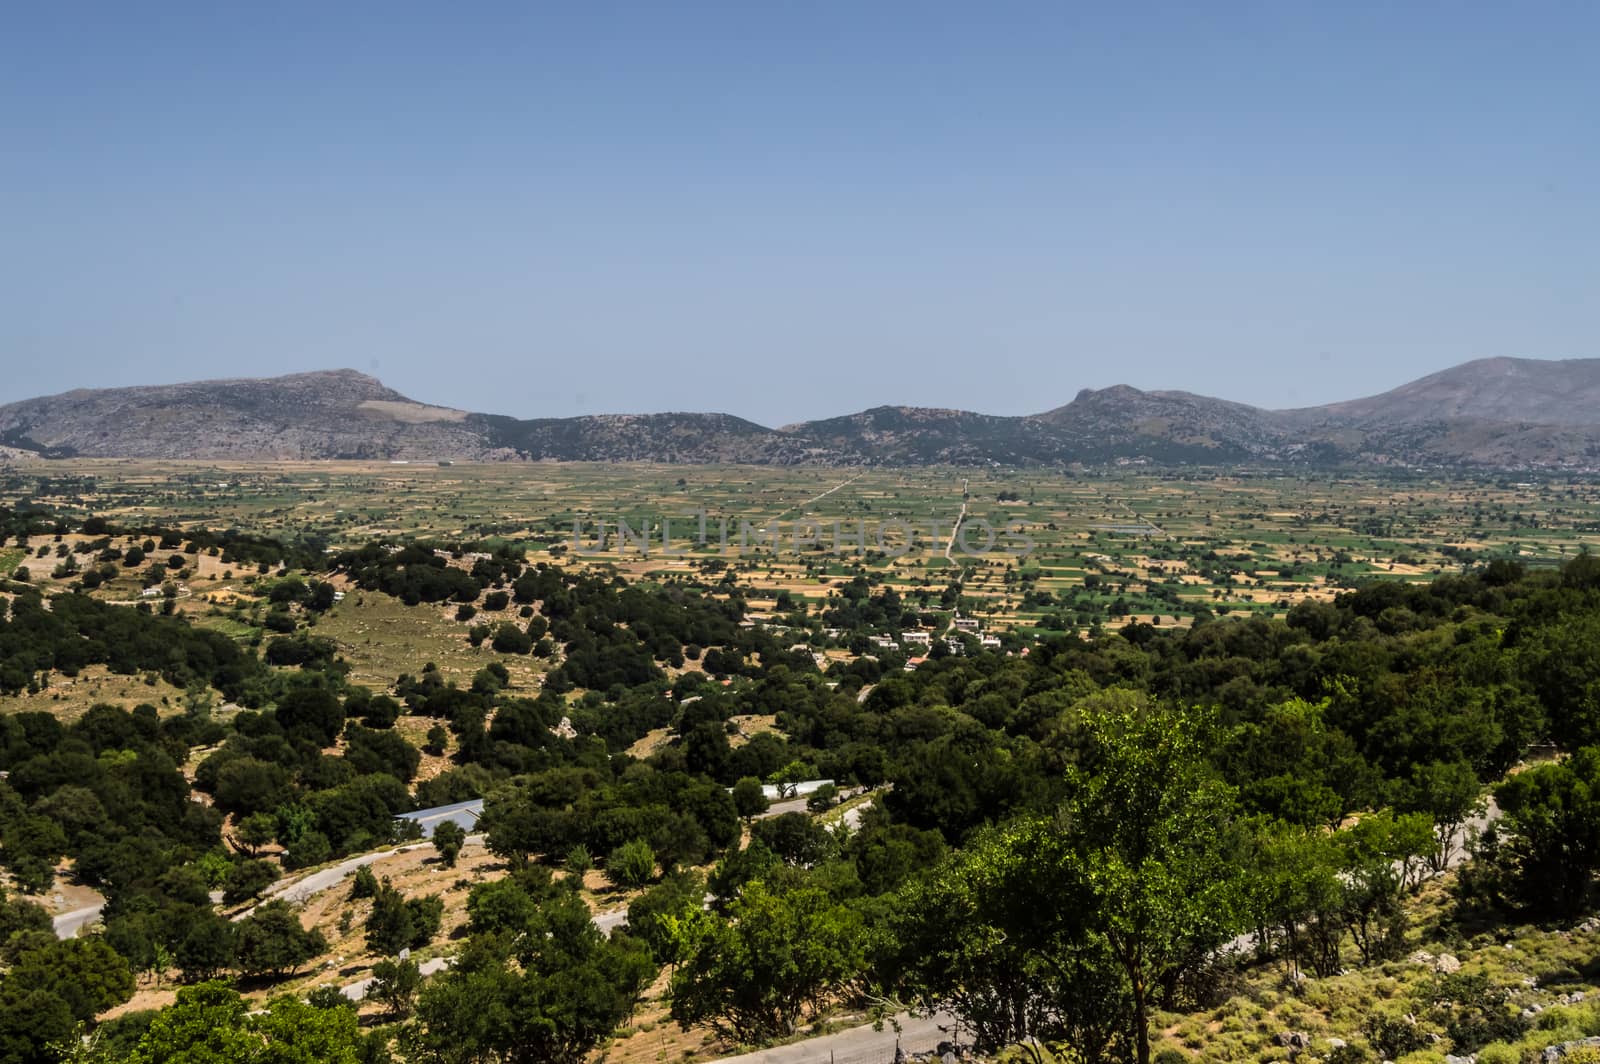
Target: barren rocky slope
point(1495, 413)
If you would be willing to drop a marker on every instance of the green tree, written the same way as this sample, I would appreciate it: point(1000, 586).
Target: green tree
point(578, 861)
point(395, 983)
point(823, 798)
point(255, 831)
point(1549, 838)
point(271, 941)
point(1145, 837)
point(749, 799)
point(206, 948)
point(1295, 898)
point(1013, 952)
point(212, 1024)
point(363, 884)
point(779, 957)
point(311, 712)
point(246, 879)
point(631, 865)
point(448, 838)
point(54, 988)
point(563, 989)
point(653, 915)
point(1449, 793)
point(84, 972)
point(1382, 855)
point(794, 837)
point(398, 922)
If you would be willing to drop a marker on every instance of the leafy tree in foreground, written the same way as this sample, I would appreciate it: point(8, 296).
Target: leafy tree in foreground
point(973, 938)
point(1550, 837)
point(212, 1024)
point(51, 990)
point(779, 957)
point(1073, 926)
point(547, 991)
point(1146, 835)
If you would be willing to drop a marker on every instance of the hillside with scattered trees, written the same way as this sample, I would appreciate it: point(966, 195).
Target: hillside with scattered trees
point(1141, 845)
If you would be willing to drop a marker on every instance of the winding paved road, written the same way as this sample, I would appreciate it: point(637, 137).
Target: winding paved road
point(67, 925)
point(859, 1045)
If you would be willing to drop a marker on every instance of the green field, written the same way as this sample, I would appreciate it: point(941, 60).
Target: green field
point(1105, 547)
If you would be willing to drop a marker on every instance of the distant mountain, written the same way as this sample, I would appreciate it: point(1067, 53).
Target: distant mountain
point(688, 438)
point(1166, 427)
point(338, 414)
point(913, 435)
point(1508, 390)
point(1491, 414)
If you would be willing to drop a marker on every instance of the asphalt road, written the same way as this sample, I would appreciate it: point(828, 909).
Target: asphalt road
point(858, 1045)
point(68, 925)
point(291, 889)
point(358, 989)
point(296, 890)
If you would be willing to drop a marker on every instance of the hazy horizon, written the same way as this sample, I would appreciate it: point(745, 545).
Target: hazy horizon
point(789, 214)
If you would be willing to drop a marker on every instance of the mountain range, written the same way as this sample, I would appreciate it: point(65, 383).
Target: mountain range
point(1498, 413)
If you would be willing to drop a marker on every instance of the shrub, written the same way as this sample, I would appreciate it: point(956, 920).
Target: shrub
point(309, 849)
point(329, 997)
point(364, 884)
point(578, 860)
point(509, 639)
point(246, 879)
point(824, 797)
point(1394, 1036)
point(632, 864)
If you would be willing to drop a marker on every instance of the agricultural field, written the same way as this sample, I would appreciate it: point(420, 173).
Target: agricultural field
point(1036, 550)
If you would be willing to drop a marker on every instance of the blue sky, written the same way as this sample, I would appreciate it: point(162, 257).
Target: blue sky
point(794, 210)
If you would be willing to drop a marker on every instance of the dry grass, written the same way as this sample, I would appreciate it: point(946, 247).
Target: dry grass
point(69, 697)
